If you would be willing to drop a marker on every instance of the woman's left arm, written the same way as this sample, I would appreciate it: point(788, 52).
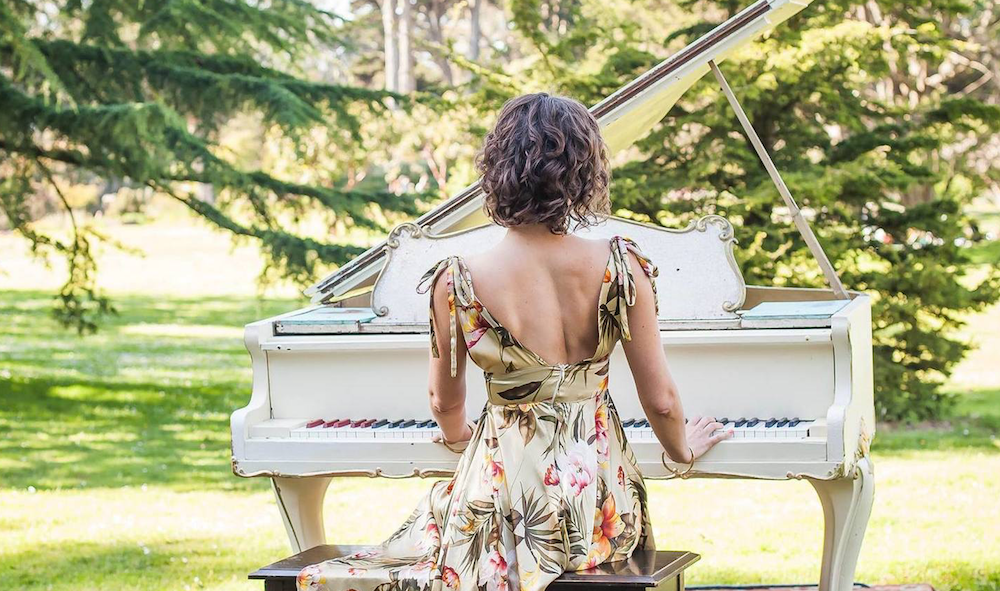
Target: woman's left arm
point(447, 393)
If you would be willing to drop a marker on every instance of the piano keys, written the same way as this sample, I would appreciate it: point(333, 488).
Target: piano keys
point(420, 430)
point(339, 387)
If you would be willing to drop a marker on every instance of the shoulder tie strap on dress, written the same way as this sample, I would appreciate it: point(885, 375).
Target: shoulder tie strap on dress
point(459, 293)
point(620, 247)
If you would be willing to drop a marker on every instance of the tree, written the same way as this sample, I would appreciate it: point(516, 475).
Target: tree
point(880, 167)
point(880, 122)
point(138, 93)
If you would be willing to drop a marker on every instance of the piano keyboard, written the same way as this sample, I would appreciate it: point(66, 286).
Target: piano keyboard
point(416, 429)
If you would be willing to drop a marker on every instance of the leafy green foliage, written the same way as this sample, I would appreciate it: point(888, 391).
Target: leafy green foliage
point(868, 171)
point(883, 172)
point(139, 93)
point(875, 113)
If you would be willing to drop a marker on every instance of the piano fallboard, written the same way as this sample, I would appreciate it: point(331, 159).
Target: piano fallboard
point(360, 376)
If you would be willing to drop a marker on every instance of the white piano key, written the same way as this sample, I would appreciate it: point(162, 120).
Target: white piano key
point(727, 426)
point(817, 428)
point(276, 428)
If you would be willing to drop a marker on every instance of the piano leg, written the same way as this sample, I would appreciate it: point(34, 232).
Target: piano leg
point(300, 502)
point(847, 504)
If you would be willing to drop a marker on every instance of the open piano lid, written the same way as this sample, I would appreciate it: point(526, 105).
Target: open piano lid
point(625, 116)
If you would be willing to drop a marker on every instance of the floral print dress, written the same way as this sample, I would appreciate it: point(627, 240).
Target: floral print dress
point(548, 482)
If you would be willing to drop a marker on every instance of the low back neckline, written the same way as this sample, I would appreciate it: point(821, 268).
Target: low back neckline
point(466, 274)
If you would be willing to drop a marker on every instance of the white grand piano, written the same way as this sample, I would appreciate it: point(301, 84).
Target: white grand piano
point(790, 370)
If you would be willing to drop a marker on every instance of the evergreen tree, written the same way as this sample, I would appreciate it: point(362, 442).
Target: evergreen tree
point(872, 146)
point(138, 92)
point(863, 109)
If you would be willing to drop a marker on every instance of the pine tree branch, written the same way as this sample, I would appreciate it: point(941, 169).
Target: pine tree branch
point(147, 141)
point(290, 26)
point(25, 54)
point(209, 87)
point(296, 256)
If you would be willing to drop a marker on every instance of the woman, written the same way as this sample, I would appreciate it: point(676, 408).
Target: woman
point(547, 482)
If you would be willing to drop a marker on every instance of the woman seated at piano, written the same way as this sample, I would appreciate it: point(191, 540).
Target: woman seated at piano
point(546, 482)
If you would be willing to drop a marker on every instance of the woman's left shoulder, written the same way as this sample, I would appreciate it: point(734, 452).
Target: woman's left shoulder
point(628, 250)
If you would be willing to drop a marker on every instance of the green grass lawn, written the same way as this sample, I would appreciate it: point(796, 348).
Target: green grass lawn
point(115, 471)
point(114, 455)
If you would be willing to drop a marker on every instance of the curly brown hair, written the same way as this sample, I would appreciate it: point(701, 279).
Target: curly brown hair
point(545, 162)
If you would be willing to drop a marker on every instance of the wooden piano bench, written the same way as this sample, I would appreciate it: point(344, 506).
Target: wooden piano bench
point(647, 569)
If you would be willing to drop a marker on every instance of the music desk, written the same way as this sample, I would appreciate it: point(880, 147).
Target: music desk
point(647, 569)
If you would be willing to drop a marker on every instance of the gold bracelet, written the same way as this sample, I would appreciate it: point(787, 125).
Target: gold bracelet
point(444, 441)
point(684, 474)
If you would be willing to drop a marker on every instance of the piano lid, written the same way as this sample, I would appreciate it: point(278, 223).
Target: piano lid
point(625, 116)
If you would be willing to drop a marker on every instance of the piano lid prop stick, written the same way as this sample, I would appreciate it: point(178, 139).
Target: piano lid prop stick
point(800, 222)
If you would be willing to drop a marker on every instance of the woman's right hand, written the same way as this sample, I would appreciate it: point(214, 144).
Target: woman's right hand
point(699, 434)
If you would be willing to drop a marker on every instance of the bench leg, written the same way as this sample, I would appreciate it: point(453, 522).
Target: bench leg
point(847, 504)
point(300, 502)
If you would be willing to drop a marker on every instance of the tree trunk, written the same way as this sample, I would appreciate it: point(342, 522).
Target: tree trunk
point(437, 36)
point(406, 79)
point(391, 50)
point(111, 185)
point(475, 31)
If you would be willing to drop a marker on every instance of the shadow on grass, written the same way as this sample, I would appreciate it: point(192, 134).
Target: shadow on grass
point(948, 575)
point(145, 400)
point(193, 564)
point(112, 439)
point(974, 426)
point(185, 564)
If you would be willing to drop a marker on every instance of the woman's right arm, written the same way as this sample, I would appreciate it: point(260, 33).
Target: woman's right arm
point(656, 388)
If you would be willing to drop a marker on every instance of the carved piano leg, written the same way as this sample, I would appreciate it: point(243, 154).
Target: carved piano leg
point(300, 502)
point(847, 504)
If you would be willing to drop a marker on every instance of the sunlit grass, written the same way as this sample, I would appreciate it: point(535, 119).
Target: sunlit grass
point(114, 451)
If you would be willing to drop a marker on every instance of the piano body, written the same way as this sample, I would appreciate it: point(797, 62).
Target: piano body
point(796, 388)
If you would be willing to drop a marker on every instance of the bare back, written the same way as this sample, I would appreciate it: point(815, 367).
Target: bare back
point(544, 289)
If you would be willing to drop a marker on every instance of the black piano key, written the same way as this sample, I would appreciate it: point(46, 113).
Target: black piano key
point(783, 422)
point(407, 424)
point(396, 424)
point(424, 424)
point(380, 423)
point(794, 422)
point(753, 422)
point(628, 423)
point(770, 423)
point(741, 422)
point(644, 423)
point(723, 420)
point(434, 425)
